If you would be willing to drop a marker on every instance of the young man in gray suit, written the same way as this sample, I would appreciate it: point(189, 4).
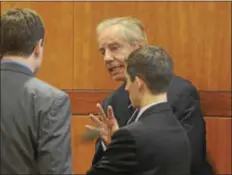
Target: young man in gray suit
point(153, 142)
point(35, 116)
point(117, 38)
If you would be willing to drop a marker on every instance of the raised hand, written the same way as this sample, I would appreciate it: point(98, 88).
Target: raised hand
point(106, 125)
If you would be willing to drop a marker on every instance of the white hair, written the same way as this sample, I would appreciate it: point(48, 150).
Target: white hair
point(132, 28)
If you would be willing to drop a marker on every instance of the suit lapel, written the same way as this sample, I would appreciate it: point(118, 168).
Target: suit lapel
point(122, 112)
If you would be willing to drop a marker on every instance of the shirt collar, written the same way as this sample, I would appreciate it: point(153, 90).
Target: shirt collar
point(141, 111)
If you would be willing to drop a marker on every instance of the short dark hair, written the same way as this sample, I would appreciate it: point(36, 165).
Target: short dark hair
point(153, 65)
point(21, 29)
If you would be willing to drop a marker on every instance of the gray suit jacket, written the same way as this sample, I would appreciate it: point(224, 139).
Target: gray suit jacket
point(35, 124)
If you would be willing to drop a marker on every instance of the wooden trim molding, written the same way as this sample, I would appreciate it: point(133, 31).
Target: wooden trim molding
point(214, 103)
point(84, 102)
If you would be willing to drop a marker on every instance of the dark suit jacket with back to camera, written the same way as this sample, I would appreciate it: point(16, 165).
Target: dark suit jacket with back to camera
point(185, 103)
point(156, 144)
point(35, 124)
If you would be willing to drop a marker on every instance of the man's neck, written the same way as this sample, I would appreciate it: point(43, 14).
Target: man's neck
point(148, 99)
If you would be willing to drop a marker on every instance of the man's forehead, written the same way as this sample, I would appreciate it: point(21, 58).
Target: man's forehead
point(109, 39)
point(108, 42)
point(110, 35)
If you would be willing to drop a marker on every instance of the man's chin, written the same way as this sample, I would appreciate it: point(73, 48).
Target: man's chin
point(134, 105)
point(118, 77)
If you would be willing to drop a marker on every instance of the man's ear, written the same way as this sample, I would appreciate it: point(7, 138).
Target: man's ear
point(140, 44)
point(38, 48)
point(139, 82)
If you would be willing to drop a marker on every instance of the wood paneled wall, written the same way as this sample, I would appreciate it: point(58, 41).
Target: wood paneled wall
point(197, 35)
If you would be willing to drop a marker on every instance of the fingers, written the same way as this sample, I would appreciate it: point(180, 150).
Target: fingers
point(91, 134)
point(95, 119)
point(101, 109)
point(95, 131)
point(110, 112)
point(100, 117)
point(92, 128)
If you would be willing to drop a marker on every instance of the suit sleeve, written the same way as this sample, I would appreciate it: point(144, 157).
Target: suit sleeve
point(187, 110)
point(54, 146)
point(119, 158)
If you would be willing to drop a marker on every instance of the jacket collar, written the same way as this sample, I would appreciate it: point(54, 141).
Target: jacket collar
point(157, 108)
point(16, 67)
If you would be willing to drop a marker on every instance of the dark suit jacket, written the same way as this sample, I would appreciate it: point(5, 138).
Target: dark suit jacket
point(185, 102)
point(154, 145)
point(35, 124)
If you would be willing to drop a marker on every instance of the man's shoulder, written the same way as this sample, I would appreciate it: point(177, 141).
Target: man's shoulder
point(43, 89)
point(116, 94)
point(180, 82)
point(148, 129)
point(180, 86)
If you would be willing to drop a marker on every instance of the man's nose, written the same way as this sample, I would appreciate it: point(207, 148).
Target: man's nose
point(108, 57)
point(126, 88)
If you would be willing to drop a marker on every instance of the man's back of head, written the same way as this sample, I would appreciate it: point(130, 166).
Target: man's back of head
point(149, 73)
point(22, 35)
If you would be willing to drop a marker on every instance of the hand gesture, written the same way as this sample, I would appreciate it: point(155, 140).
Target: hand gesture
point(106, 124)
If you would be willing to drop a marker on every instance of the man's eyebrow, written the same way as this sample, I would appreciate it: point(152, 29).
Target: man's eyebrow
point(100, 48)
point(109, 44)
point(114, 43)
